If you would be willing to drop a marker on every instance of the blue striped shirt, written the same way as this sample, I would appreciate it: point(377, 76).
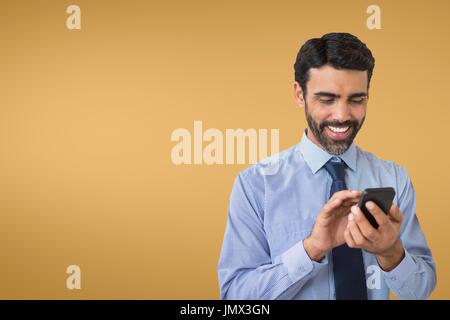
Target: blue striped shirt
point(272, 209)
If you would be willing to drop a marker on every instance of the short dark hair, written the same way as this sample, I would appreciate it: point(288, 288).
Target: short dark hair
point(340, 50)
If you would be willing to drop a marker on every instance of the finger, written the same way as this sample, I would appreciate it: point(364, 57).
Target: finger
point(350, 202)
point(395, 213)
point(348, 198)
point(357, 236)
point(368, 231)
point(330, 206)
point(349, 239)
point(337, 200)
point(346, 194)
point(381, 218)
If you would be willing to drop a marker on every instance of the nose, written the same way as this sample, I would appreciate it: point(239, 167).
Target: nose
point(341, 112)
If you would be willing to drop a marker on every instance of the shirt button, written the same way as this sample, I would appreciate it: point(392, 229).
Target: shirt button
point(393, 278)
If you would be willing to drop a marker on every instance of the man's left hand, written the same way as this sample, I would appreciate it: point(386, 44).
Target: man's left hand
point(384, 242)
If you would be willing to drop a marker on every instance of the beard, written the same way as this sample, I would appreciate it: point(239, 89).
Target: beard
point(334, 147)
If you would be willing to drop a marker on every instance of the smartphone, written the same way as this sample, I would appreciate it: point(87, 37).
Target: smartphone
point(382, 197)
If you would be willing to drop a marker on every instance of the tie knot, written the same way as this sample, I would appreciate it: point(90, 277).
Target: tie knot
point(336, 169)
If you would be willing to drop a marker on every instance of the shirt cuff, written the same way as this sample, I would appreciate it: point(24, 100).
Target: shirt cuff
point(299, 264)
point(398, 276)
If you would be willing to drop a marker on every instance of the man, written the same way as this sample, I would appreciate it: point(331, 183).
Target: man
point(294, 230)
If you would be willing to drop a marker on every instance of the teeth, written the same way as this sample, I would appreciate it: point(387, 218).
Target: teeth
point(338, 130)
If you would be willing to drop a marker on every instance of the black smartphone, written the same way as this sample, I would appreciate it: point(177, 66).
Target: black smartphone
point(382, 197)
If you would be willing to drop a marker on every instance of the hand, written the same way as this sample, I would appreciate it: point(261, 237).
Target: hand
point(384, 242)
point(328, 230)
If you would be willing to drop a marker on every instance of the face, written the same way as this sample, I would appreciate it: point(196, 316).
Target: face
point(335, 106)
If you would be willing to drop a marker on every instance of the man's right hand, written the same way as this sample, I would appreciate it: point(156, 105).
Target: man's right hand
point(328, 230)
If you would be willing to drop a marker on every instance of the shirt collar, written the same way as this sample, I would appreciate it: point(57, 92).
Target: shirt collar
point(315, 157)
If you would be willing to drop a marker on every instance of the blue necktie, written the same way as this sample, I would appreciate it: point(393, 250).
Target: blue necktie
point(348, 265)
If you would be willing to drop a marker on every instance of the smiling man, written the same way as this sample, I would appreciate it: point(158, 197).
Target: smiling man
point(294, 230)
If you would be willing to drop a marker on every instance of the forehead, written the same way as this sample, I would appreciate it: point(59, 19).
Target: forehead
point(339, 81)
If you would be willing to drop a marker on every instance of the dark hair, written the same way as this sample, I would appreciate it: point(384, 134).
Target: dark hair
point(340, 50)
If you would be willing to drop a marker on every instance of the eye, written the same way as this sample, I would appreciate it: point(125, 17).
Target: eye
point(326, 101)
point(357, 101)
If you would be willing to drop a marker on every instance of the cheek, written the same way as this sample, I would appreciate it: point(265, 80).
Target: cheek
point(320, 113)
point(359, 113)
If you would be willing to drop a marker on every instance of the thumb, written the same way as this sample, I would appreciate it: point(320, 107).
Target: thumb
point(395, 213)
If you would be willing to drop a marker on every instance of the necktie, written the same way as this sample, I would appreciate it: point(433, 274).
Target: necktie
point(348, 265)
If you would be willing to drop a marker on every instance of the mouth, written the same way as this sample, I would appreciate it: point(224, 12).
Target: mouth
point(338, 133)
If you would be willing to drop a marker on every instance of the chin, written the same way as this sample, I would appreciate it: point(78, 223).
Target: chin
point(337, 148)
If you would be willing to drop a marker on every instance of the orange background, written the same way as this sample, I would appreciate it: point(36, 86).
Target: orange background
point(86, 116)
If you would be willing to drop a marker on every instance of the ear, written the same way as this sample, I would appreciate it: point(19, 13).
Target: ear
point(298, 95)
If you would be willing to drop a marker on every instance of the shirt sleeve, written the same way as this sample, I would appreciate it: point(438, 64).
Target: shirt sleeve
point(415, 276)
point(246, 269)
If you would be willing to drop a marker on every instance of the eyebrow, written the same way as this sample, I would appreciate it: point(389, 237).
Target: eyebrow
point(333, 95)
point(357, 95)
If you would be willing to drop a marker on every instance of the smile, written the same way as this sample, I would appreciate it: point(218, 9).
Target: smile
point(338, 130)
